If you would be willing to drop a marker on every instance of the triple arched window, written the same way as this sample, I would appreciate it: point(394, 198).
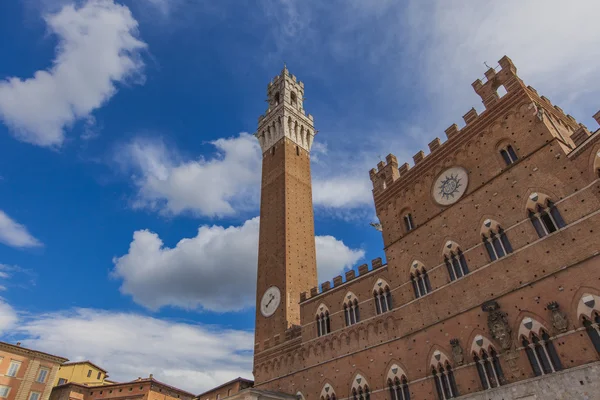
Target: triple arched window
point(419, 279)
point(398, 383)
point(495, 240)
point(539, 348)
point(383, 297)
point(351, 311)
point(543, 214)
point(322, 321)
point(455, 261)
point(589, 312)
point(487, 363)
point(445, 384)
point(327, 393)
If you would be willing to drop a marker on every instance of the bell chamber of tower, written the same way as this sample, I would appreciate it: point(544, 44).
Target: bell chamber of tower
point(285, 116)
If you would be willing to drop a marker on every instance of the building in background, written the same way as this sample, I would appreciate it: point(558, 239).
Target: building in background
point(82, 372)
point(139, 389)
point(491, 288)
point(26, 374)
point(227, 389)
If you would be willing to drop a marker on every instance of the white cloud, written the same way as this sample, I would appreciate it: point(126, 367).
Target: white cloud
point(222, 185)
point(8, 317)
point(215, 270)
point(129, 345)
point(559, 60)
point(14, 234)
point(97, 49)
point(333, 256)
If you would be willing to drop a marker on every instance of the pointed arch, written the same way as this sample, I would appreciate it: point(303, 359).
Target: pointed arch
point(419, 279)
point(322, 320)
point(543, 214)
point(327, 393)
point(443, 376)
point(350, 305)
point(538, 346)
point(455, 261)
point(588, 305)
point(397, 381)
point(487, 362)
point(494, 239)
point(588, 312)
point(382, 296)
point(360, 389)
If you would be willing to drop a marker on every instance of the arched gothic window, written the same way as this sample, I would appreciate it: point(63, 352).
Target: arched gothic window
point(398, 384)
point(445, 384)
point(541, 354)
point(489, 369)
point(495, 240)
point(588, 310)
point(383, 297)
point(419, 280)
point(592, 327)
point(455, 261)
point(327, 393)
point(509, 155)
point(544, 215)
point(322, 321)
point(351, 311)
point(360, 388)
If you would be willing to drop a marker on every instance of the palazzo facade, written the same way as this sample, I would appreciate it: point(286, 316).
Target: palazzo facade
point(491, 284)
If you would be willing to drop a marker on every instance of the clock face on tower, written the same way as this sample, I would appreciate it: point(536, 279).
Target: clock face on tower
point(270, 301)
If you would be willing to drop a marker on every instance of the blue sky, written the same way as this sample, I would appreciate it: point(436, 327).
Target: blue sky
point(129, 181)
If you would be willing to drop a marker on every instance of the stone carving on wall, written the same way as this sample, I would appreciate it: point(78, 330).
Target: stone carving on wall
point(498, 324)
point(457, 352)
point(450, 186)
point(559, 319)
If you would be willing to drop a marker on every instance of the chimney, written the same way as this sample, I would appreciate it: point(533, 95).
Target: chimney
point(151, 376)
point(18, 343)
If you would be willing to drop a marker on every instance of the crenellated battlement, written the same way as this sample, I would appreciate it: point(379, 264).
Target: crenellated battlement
point(388, 172)
point(338, 281)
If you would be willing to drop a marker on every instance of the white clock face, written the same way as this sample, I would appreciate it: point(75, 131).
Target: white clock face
point(270, 301)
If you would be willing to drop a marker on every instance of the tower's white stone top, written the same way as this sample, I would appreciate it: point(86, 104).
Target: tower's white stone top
point(285, 116)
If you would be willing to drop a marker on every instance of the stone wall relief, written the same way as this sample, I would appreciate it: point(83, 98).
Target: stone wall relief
point(498, 324)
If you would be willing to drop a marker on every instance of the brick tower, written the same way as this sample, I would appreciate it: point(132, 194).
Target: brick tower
point(286, 251)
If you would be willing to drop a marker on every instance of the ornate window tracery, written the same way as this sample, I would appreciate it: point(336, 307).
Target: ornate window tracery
point(398, 384)
point(539, 348)
point(322, 321)
point(419, 279)
point(544, 215)
point(383, 297)
point(495, 240)
point(487, 363)
point(455, 261)
point(351, 309)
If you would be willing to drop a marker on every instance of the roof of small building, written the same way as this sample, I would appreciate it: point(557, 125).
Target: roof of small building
point(17, 348)
point(136, 381)
point(239, 378)
point(84, 362)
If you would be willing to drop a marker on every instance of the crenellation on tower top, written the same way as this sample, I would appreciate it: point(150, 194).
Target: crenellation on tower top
point(451, 131)
point(506, 76)
point(470, 116)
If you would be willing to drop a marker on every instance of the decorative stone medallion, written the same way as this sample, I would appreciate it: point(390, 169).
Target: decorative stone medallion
point(449, 187)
